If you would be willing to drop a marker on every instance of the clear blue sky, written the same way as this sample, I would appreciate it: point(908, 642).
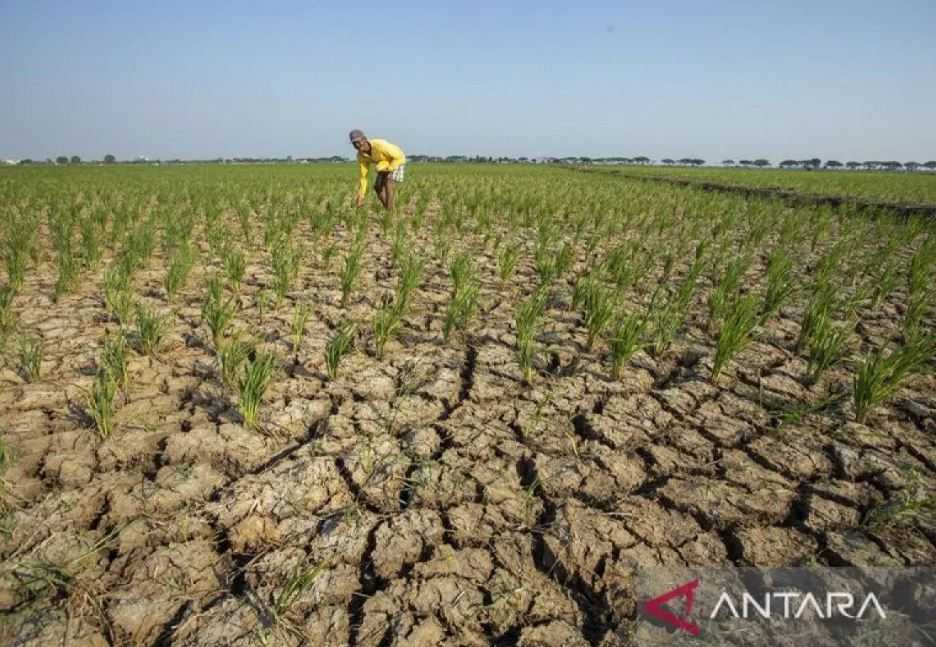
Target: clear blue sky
point(834, 79)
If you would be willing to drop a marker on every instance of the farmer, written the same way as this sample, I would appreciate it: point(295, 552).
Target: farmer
point(390, 162)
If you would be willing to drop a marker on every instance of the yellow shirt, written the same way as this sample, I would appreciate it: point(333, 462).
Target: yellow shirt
point(387, 157)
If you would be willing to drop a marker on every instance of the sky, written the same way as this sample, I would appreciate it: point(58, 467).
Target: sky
point(847, 80)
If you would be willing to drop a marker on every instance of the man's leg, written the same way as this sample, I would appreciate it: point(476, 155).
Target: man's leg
point(388, 192)
point(379, 186)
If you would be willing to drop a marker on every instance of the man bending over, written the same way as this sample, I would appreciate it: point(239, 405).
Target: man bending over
point(390, 162)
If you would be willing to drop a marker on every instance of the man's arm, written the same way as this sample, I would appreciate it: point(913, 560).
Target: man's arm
point(362, 183)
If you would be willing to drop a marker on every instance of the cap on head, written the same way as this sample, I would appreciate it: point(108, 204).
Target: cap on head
point(356, 135)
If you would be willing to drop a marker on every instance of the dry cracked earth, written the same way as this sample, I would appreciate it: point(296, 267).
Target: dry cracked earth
point(429, 498)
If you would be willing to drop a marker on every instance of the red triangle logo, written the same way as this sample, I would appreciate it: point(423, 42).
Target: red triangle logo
point(654, 607)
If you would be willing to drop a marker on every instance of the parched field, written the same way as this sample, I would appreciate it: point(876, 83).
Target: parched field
point(236, 411)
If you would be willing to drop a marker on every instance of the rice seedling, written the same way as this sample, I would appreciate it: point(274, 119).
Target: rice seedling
point(781, 283)
point(350, 272)
point(29, 351)
point(410, 274)
point(7, 314)
point(736, 332)
point(911, 505)
point(821, 305)
point(385, 326)
point(297, 583)
point(114, 358)
point(231, 356)
point(253, 383)
point(826, 344)
point(235, 266)
point(526, 321)
point(117, 295)
point(338, 345)
point(285, 258)
point(151, 329)
point(398, 247)
point(179, 269)
point(328, 253)
point(100, 403)
point(599, 311)
point(460, 308)
point(301, 315)
point(880, 375)
point(624, 340)
point(507, 259)
point(727, 288)
point(668, 319)
point(217, 313)
point(461, 272)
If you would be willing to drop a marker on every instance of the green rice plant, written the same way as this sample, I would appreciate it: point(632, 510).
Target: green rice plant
point(300, 319)
point(117, 295)
point(151, 329)
point(350, 272)
point(669, 318)
point(67, 276)
point(114, 358)
point(235, 266)
point(727, 287)
point(7, 314)
point(100, 402)
point(911, 505)
point(736, 332)
point(338, 345)
point(218, 313)
point(460, 308)
point(231, 356)
point(328, 253)
point(253, 383)
point(29, 351)
point(399, 244)
point(386, 324)
point(826, 345)
point(821, 305)
point(507, 259)
point(879, 376)
point(179, 269)
point(461, 272)
point(600, 305)
point(297, 583)
point(625, 339)
point(410, 273)
point(91, 248)
point(285, 257)
point(781, 283)
point(527, 321)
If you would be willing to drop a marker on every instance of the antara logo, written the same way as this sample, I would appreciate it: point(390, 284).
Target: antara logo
point(781, 604)
point(654, 607)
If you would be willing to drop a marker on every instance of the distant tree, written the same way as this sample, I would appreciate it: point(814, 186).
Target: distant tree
point(61, 159)
point(811, 163)
point(853, 165)
point(109, 159)
point(870, 164)
point(667, 161)
point(745, 162)
point(728, 162)
point(931, 165)
point(75, 159)
point(642, 160)
point(697, 162)
point(911, 166)
point(761, 163)
point(833, 164)
point(788, 163)
point(26, 161)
